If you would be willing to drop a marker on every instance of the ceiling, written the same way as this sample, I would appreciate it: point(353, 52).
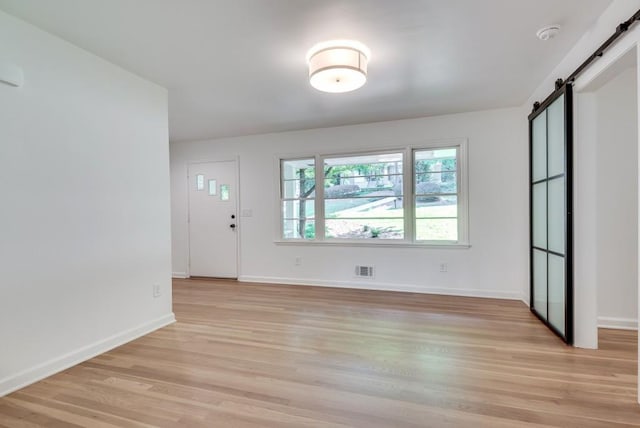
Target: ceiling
point(237, 67)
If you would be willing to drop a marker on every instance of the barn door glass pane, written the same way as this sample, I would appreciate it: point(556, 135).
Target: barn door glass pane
point(555, 137)
point(556, 292)
point(540, 281)
point(556, 215)
point(540, 147)
point(540, 215)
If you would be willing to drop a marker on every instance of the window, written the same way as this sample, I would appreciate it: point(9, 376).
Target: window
point(410, 196)
point(212, 187)
point(199, 182)
point(436, 194)
point(297, 198)
point(224, 192)
point(363, 197)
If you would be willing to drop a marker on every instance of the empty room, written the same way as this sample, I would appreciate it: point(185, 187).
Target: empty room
point(305, 213)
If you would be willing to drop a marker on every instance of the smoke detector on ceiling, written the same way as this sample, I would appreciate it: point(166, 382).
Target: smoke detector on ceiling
point(549, 32)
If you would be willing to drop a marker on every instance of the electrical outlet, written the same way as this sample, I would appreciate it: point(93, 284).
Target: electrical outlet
point(444, 267)
point(156, 290)
point(298, 261)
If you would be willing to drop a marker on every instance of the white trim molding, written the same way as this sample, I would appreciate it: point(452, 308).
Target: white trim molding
point(180, 275)
point(371, 243)
point(53, 366)
point(382, 286)
point(618, 323)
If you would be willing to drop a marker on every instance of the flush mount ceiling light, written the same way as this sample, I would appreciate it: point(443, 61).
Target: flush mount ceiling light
point(338, 65)
point(548, 33)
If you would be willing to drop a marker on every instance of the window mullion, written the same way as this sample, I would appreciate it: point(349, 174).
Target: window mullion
point(281, 228)
point(463, 193)
point(459, 189)
point(407, 197)
point(319, 199)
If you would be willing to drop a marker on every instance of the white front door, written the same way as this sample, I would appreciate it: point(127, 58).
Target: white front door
point(213, 220)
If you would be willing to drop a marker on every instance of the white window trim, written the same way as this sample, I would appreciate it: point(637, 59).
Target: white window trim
point(408, 198)
point(280, 197)
point(370, 243)
point(462, 192)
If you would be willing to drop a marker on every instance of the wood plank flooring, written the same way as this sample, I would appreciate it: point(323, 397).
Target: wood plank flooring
point(254, 355)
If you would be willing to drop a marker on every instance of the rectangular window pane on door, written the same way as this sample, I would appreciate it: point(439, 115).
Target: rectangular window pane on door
point(555, 132)
point(539, 149)
point(540, 282)
point(556, 215)
point(212, 187)
point(199, 182)
point(556, 314)
point(540, 215)
point(224, 192)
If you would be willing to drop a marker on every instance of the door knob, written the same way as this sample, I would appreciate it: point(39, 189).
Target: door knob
point(232, 226)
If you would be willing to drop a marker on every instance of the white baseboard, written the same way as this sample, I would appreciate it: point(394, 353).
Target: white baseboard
point(618, 323)
point(55, 365)
point(181, 275)
point(382, 286)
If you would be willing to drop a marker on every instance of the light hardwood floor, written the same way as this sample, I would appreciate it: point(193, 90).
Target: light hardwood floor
point(252, 355)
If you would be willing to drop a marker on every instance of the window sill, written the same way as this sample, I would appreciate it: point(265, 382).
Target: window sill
point(371, 244)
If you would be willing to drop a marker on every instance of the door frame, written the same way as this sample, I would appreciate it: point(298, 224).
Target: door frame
point(567, 90)
point(235, 159)
point(586, 294)
point(586, 316)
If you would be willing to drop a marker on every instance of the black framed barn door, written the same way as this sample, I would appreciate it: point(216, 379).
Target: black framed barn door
point(551, 225)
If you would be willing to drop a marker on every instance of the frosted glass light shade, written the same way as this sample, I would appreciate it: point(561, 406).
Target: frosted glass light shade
point(338, 65)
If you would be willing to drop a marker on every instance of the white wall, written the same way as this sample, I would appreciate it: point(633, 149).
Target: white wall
point(617, 194)
point(85, 228)
point(495, 265)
